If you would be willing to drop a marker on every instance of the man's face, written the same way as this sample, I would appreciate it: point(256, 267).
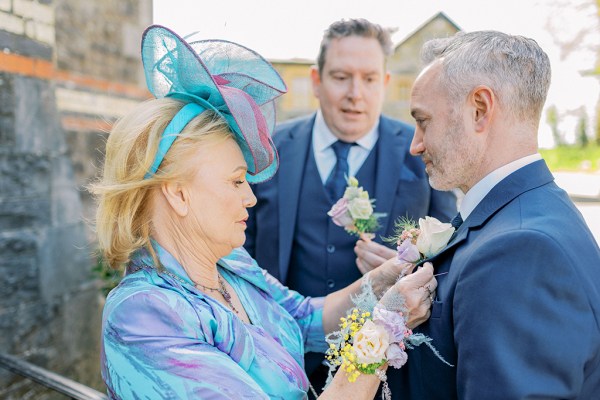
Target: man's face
point(351, 86)
point(450, 154)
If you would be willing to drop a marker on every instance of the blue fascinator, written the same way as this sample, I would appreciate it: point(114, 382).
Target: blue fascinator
point(217, 75)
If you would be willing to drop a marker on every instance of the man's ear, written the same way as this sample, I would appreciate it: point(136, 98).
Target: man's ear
point(315, 79)
point(177, 197)
point(483, 101)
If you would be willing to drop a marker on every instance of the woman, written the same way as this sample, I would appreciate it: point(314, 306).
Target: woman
point(194, 316)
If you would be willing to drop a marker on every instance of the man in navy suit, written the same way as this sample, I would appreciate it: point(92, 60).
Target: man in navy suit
point(289, 232)
point(517, 308)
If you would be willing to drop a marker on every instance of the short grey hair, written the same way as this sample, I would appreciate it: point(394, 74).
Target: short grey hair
point(355, 27)
point(514, 67)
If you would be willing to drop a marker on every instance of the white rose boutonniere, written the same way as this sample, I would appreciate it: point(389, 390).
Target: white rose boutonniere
point(434, 236)
point(416, 242)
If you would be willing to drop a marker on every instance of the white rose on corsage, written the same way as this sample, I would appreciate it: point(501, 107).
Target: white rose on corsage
point(371, 343)
point(434, 236)
point(361, 207)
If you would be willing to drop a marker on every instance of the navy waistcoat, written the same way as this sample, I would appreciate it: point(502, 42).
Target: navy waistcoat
point(323, 258)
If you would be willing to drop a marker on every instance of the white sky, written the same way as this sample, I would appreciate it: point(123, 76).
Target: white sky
point(280, 29)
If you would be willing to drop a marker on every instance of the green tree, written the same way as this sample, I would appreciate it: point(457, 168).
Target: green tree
point(552, 120)
point(581, 132)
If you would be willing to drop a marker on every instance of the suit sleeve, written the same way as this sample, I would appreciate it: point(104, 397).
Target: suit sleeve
point(523, 326)
point(153, 349)
point(442, 205)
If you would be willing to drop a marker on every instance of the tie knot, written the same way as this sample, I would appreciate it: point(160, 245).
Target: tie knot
point(456, 221)
point(342, 149)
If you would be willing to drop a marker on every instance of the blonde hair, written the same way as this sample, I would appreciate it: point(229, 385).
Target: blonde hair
point(123, 218)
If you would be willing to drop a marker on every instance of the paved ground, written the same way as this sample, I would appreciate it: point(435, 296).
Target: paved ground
point(584, 189)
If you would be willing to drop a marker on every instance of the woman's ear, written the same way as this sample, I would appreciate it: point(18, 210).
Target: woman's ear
point(483, 101)
point(177, 197)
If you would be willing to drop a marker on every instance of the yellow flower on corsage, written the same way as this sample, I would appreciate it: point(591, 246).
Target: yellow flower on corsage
point(370, 336)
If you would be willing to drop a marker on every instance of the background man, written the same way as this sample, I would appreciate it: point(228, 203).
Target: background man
point(517, 312)
point(289, 232)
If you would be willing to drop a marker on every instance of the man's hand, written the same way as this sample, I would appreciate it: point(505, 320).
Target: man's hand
point(371, 255)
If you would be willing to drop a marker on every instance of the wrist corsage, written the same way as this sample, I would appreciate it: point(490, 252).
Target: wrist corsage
point(371, 335)
point(355, 211)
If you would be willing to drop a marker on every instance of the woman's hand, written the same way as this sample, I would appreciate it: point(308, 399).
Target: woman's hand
point(417, 289)
point(387, 274)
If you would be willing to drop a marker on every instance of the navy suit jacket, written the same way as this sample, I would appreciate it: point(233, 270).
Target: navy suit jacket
point(402, 189)
point(518, 313)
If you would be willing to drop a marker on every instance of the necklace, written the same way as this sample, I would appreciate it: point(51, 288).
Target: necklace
point(221, 289)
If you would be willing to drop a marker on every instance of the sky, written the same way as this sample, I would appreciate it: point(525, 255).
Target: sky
point(283, 29)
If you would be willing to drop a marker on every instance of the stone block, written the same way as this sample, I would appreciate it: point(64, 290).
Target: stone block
point(12, 23)
point(37, 127)
point(18, 280)
point(20, 213)
point(24, 175)
point(19, 44)
point(66, 204)
point(34, 10)
point(65, 260)
point(5, 5)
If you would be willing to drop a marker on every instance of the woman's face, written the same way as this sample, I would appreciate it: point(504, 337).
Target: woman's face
point(219, 196)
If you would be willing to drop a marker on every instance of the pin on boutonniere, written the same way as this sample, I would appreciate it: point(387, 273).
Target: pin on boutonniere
point(355, 211)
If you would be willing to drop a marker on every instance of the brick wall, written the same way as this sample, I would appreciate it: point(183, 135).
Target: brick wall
point(68, 70)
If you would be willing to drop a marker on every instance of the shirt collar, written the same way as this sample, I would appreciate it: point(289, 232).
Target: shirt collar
point(323, 138)
point(484, 186)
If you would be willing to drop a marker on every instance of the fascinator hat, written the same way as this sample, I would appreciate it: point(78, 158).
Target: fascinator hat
point(230, 79)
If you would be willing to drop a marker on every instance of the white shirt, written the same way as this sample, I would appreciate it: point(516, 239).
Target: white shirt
point(322, 139)
point(484, 186)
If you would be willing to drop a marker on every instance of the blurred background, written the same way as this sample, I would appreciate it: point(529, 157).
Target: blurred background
point(70, 68)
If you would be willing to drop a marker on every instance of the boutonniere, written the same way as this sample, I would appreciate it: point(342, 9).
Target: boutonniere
point(416, 242)
point(355, 210)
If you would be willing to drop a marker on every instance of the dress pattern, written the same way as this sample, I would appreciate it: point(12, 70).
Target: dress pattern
point(164, 339)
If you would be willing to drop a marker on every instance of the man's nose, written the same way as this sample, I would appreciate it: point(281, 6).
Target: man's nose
point(416, 146)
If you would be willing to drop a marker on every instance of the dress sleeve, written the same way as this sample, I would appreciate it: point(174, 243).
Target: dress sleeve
point(307, 311)
point(153, 349)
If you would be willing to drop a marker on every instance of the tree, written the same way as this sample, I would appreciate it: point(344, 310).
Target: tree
point(581, 132)
point(552, 120)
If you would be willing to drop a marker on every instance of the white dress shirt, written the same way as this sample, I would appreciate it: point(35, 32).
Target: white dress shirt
point(322, 139)
point(484, 186)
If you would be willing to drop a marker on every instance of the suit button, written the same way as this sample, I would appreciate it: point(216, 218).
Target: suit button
point(330, 248)
point(330, 283)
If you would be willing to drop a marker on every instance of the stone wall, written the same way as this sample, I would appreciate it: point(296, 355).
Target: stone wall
point(68, 70)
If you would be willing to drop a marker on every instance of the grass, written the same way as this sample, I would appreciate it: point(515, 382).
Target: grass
point(573, 158)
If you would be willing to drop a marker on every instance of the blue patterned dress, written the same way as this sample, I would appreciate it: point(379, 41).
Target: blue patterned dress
point(164, 339)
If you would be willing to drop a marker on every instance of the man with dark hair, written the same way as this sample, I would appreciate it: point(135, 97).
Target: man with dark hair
point(518, 299)
point(289, 232)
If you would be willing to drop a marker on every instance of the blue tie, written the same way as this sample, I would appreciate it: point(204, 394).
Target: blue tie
point(457, 221)
point(336, 183)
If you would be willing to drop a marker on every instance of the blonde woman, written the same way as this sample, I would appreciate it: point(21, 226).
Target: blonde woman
point(195, 316)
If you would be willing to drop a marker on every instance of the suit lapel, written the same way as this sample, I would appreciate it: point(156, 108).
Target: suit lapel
point(391, 152)
point(527, 178)
point(293, 150)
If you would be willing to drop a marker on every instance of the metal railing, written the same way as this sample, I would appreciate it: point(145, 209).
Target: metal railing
point(66, 386)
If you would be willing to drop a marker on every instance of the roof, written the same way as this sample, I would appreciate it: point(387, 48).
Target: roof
point(440, 14)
